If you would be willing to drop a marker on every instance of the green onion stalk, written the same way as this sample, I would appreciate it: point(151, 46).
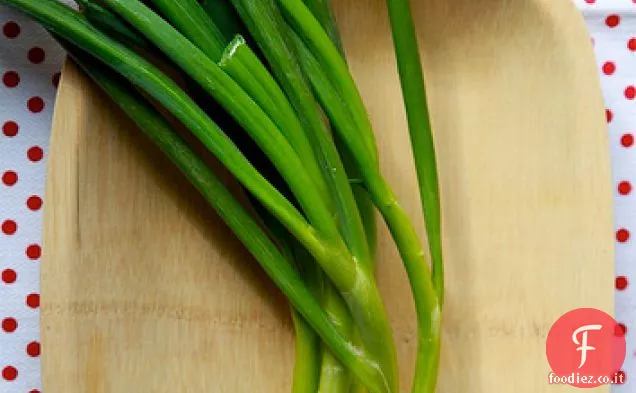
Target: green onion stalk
point(422, 142)
point(185, 15)
point(241, 64)
point(269, 29)
point(322, 11)
point(309, 369)
point(321, 53)
point(262, 74)
point(276, 265)
point(353, 281)
point(334, 260)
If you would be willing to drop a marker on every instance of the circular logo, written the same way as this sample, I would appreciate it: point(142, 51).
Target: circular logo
point(586, 349)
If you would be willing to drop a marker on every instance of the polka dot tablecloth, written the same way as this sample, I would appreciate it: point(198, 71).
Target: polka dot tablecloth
point(612, 25)
point(29, 64)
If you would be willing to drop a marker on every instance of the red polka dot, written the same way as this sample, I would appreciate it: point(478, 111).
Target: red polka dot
point(590, 1)
point(10, 128)
point(34, 391)
point(11, 30)
point(35, 153)
point(34, 251)
point(56, 79)
point(624, 187)
point(621, 283)
point(34, 202)
point(35, 104)
point(609, 115)
point(627, 140)
point(33, 300)
point(9, 373)
point(33, 349)
point(622, 235)
point(630, 92)
point(609, 68)
point(621, 377)
point(9, 276)
point(9, 227)
point(9, 325)
point(631, 44)
point(9, 178)
point(36, 55)
point(612, 20)
point(620, 330)
point(11, 79)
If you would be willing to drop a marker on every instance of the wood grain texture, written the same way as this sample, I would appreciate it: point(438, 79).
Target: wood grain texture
point(144, 290)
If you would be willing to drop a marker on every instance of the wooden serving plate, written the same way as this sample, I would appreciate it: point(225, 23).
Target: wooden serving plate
point(145, 291)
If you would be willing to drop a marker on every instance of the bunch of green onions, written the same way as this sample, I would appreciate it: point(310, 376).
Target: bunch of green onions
point(264, 86)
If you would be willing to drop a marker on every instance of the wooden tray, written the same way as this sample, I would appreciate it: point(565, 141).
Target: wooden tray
point(145, 290)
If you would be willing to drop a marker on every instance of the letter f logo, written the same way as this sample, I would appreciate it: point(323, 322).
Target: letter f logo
point(583, 343)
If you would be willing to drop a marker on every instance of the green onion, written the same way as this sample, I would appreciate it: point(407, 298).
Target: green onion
point(66, 23)
point(412, 81)
point(104, 20)
point(321, 10)
point(237, 60)
point(414, 94)
point(272, 98)
point(251, 235)
point(354, 281)
point(267, 26)
point(191, 20)
point(308, 28)
point(225, 18)
point(428, 305)
point(70, 25)
point(239, 104)
point(306, 375)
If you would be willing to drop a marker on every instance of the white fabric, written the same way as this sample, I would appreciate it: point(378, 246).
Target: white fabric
point(612, 26)
point(35, 80)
